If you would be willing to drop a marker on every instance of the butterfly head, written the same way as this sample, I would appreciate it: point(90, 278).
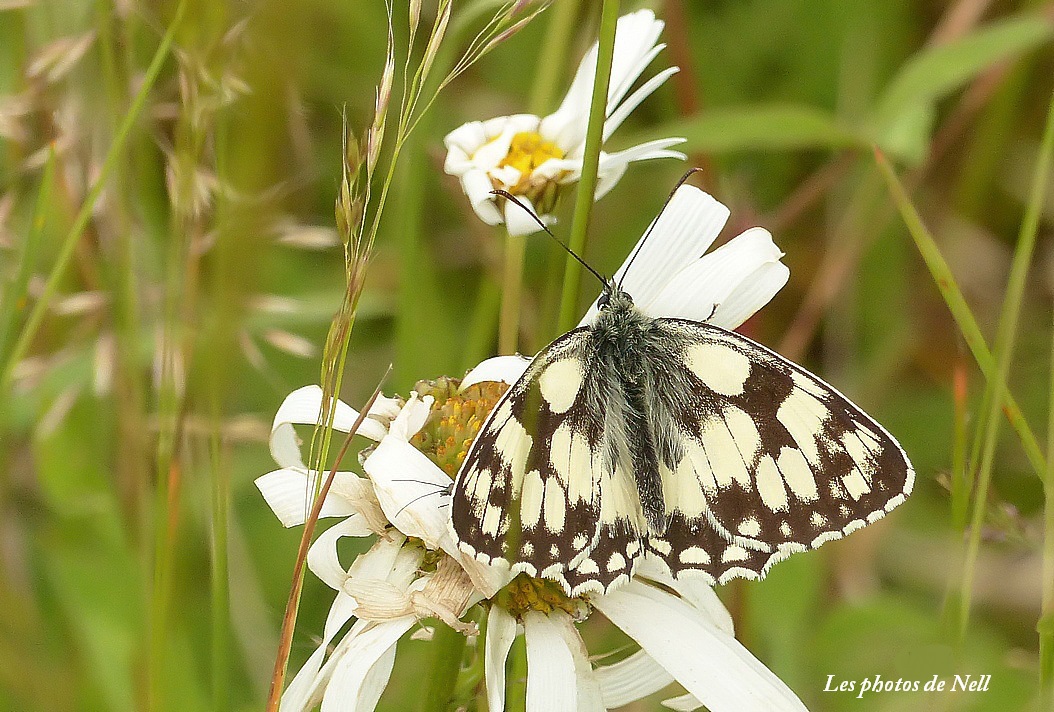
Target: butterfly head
point(613, 297)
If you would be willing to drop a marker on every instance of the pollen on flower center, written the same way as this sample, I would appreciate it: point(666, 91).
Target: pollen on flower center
point(526, 593)
point(455, 419)
point(527, 151)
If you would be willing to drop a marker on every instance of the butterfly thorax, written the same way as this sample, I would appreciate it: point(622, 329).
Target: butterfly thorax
point(625, 346)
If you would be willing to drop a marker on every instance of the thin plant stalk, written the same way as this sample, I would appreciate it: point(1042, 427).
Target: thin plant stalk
point(511, 293)
point(285, 642)
point(1004, 352)
point(590, 160)
point(964, 318)
point(1046, 619)
point(58, 270)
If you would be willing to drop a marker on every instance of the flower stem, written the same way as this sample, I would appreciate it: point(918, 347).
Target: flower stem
point(511, 294)
point(1045, 627)
point(448, 645)
point(960, 311)
point(588, 182)
point(1003, 353)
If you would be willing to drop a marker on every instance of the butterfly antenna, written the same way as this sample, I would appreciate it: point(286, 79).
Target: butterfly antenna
point(515, 200)
point(682, 181)
point(419, 497)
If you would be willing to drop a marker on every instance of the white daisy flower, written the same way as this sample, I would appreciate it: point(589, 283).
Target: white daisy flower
point(533, 157)
point(414, 569)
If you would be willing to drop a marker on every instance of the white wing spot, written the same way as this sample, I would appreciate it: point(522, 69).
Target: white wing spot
point(501, 415)
point(694, 555)
point(770, 484)
point(579, 542)
point(662, 546)
point(720, 368)
point(744, 431)
point(803, 416)
point(797, 474)
point(734, 552)
point(785, 530)
point(818, 520)
point(725, 461)
point(616, 561)
point(749, 527)
point(855, 484)
point(491, 520)
point(531, 499)
point(513, 443)
point(555, 505)
point(588, 567)
point(560, 382)
point(481, 488)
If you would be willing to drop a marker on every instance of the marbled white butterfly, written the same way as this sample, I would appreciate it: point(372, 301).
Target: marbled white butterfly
point(635, 436)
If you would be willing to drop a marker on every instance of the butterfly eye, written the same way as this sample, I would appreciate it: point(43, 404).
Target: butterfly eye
point(605, 297)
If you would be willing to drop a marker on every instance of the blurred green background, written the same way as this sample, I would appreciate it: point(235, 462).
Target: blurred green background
point(199, 292)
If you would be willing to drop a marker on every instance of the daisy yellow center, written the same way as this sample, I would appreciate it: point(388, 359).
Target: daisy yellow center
point(455, 419)
point(527, 151)
point(525, 593)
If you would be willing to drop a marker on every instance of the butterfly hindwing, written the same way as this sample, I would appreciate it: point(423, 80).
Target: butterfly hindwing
point(775, 460)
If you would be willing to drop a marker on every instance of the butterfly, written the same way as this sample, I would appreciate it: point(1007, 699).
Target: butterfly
point(635, 436)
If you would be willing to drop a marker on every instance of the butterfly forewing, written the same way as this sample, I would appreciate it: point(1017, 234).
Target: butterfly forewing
point(529, 490)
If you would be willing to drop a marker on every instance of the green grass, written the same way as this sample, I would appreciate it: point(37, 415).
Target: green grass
point(140, 569)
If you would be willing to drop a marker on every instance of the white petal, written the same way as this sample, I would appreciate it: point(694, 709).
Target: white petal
point(380, 560)
point(519, 222)
point(467, 138)
point(682, 703)
point(354, 682)
point(631, 679)
point(302, 407)
point(693, 292)
point(551, 679)
point(622, 112)
point(305, 689)
point(682, 232)
point(501, 632)
point(635, 37)
point(322, 557)
point(477, 186)
point(754, 292)
point(499, 369)
point(708, 662)
point(410, 488)
point(411, 418)
point(694, 590)
point(590, 698)
point(289, 493)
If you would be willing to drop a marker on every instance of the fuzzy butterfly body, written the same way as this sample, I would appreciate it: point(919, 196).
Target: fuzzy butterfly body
point(675, 438)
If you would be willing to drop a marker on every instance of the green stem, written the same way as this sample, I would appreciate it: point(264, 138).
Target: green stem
point(511, 294)
point(1004, 353)
point(960, 311)
point(448, 645)
point(82, 218)
point(588, 182)
point(1045, 627)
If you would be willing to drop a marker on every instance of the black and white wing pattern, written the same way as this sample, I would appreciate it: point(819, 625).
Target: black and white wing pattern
point(534, 481)
point(775, 460)
point(670, 438)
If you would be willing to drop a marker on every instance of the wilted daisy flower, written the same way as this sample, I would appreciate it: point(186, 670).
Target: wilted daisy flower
point(414, 569)
point(534, 157)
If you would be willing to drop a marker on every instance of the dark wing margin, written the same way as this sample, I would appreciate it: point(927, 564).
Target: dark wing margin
point(528, 492)
point(774, 460)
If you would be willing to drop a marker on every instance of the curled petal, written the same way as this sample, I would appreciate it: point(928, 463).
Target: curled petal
point(290, 493)
point(499, 369)
point(501, 632)
point(712, 665)
point(322, 557)
point(303, 407)
point(726, 286)
point(361, 666)
point(631, 679)
point(411, 418)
